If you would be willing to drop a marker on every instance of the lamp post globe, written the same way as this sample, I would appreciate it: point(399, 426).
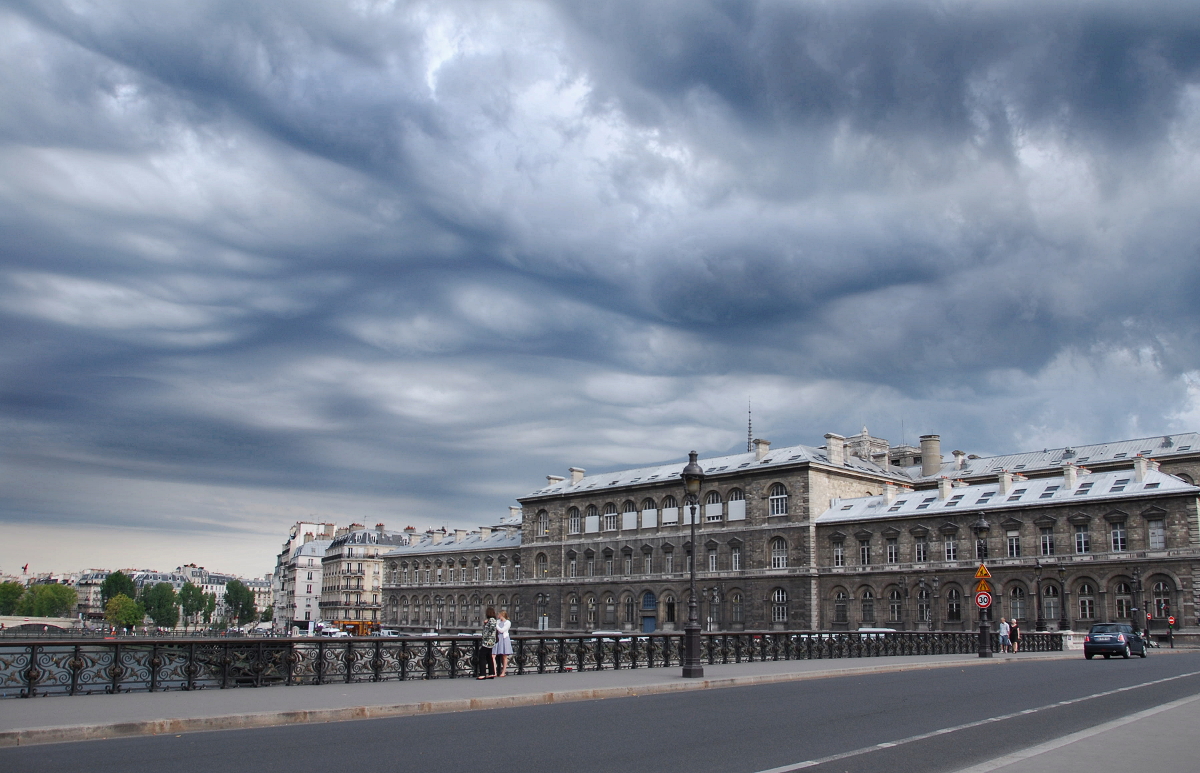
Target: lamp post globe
point(693, 478)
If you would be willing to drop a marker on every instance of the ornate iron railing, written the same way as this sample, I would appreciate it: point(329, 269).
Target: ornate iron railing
point(75, 667)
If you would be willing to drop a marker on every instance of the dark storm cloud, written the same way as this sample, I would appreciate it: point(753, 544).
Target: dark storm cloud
point(351, 259)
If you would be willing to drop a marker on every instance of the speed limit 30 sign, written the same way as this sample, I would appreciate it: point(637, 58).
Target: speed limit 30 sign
point(983, 599)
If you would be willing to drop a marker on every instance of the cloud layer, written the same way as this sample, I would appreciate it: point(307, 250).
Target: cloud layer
point(397, 261)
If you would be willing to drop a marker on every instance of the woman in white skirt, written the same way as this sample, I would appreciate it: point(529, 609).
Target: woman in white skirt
point(503, 646)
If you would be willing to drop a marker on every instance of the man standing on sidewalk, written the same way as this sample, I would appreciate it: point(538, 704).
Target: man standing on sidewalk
point(1004, 642)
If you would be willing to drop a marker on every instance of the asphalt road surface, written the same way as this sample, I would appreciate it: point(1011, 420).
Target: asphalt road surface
point(930, 720)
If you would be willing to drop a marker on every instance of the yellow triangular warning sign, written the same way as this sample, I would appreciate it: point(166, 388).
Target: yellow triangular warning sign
point(983, 586)
point(982, 573)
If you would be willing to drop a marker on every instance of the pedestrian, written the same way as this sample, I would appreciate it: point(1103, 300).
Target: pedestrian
point(487, 641)
point(1014, 635)
point(503, 646)
point(1004, 641)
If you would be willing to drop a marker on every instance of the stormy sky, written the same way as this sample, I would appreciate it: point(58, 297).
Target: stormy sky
point(388, 261)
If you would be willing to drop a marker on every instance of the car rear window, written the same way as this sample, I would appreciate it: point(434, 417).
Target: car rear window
point(1110, 628)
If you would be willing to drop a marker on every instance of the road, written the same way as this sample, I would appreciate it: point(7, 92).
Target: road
point(940, 720)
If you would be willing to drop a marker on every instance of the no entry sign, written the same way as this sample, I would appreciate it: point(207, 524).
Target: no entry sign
point(983, 599)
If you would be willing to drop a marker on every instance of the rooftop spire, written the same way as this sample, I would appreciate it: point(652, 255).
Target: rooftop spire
point(749, 428)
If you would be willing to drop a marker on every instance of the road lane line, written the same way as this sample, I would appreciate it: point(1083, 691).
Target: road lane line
point(1067, 740)
point(969, 725)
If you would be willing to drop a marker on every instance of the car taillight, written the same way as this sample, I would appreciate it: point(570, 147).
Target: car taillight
point(1121, 638)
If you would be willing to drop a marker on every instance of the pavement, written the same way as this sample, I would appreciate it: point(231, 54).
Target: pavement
point(92, 717)
point(1162, 739)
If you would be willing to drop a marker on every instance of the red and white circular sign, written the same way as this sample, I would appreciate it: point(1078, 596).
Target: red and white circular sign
point(983, 599)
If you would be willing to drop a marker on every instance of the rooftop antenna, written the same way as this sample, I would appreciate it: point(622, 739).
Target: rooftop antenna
point(749, 428)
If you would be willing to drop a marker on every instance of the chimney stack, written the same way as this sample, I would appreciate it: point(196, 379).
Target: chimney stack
point(931, 454)
point(1070, 476)
point(1005, 479)
point(960, 460)
point(485, 532)
point(944, 486)
point(577, 474)
point(436, 537)
point(761, 448)
point(554, 480)
point(460, 535)
point(835, 449)
point(514, 513)
point(1143, 465)
point(889, 493)
point(379, 528)
point(308, 537)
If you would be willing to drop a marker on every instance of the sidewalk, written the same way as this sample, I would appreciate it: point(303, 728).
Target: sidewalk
point(1162, 739)
point(80, 718)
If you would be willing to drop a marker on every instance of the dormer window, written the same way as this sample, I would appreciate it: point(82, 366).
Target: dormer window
point(954, 500)
point(1017, 494)
point(1049, 492)
point(1119, 485)
point(1084, 488)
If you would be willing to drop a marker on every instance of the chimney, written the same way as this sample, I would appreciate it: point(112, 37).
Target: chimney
point(308, 537)
point(554, 480)
point(577, 474)
point(410, 530)
point(931, 454)
point(460, 535)
point(1142, 465)
point(944, 486)
point(1070, 476)
point(379, 528)
point(960, 460)
point(1005, 478)
point(485, 532)
point(436, 537)
point(889, 493)
point(514, 513)
point(761, 448)
point(835, 449)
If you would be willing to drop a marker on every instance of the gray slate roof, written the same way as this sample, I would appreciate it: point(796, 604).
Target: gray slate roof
point(422, 544)
point(1040, 491)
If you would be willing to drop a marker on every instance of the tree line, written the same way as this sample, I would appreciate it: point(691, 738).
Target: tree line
point(125, 607)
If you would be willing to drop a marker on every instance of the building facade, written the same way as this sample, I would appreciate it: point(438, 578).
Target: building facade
point(800, 537)
point(352, 577)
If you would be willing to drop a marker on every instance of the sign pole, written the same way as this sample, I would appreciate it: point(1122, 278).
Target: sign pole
point(983, 600)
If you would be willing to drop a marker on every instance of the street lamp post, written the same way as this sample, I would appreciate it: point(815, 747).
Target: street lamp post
point(933, 609)
point(1063, 623)
point(693, 478)
point(981, 529)
point(1138, 601)
point(1041, 621)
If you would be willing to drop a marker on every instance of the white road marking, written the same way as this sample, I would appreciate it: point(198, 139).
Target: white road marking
point(989, 720)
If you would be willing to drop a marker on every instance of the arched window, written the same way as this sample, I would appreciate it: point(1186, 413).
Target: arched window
point(779, 606)
point(669, 502)
point(1016, 602)
point(1087, 602)
point(543, 524)
point(610, 611)
point(629, 507)
point(713, 498)
point(590, 604)
point(669, 608)
point(736, 495)
point(629, 609)
point(404, 610)
point(1124, 599)
point(610, 517)
point(514, 611)
point(923, 605)
point(895, 605)
point(649, 602)
point(778, 500)
point(573, 609)
point(779, 553)
point(574, 522)
point(1050, 596)
point(841, 601)
point(543, 565)
point(648, 504)
point(1162, 599)
point(591, 512)
point(735, 607)
point(953, 605)
point(542, 610)
point(868, 606)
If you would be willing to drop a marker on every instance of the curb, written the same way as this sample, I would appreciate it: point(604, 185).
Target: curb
point(106, 730)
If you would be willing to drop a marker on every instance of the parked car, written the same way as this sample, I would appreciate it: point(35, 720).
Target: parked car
point(333, 633)
point(388, 632)
point(1110, 639)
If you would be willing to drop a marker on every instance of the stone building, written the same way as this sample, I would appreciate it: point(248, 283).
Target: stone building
point(612, 551)
point(352, 576)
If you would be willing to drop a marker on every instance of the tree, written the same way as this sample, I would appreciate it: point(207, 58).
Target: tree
point(114, 584)
point(161, 604)
point(10, 597)
point(267, 616)
point(191, 598)
point(210, 606)
point(123, 612)
point(48, 600)
point(239, 600)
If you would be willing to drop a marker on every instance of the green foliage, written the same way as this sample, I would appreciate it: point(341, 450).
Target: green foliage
point(161, 604)
point(210, 606)
point(48, 600)
point(117, 583)
point(123, 611)
point(192, 599)
point(10, 597)
point(239, 600)
point(267, 616)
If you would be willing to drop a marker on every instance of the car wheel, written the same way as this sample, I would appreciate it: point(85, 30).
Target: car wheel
point(1125, 652)
point(1089, 655)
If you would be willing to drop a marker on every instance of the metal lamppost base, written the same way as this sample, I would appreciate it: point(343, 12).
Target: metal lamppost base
point(985, 639)
point(693, 668)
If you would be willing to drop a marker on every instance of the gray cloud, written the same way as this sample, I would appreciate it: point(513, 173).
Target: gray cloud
point(399, 260)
